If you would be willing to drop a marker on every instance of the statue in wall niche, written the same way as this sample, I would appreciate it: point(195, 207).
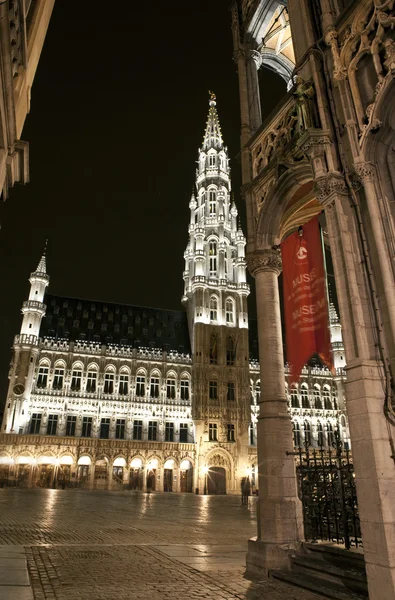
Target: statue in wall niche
point(389, 62)
point(303, 111)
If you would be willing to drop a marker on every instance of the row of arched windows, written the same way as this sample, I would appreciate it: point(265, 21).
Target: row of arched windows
point(230, 350)
point(325, 434)
point(144, 385)
point(325, 398)
point(229, 310)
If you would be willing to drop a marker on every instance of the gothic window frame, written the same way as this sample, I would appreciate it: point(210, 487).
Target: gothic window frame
point(171, 386)
point(77, 371)
point(296, 434)
point(184, 387)
point(229, 311)
point(320, 435)
point(212, 202)
point(213, 389)
point(317, 397)
point(141, 381)
point(211, 159)
point(294, 396)
point(152, 431)
point(35, 423)
point(59, 375)
point(120, 429)
point(304, 395)
point(169, 431)
point(213, 351)
point(137, 429)
point(43, 374)
point(154, 384)
point(52, 424)
point(326, 395)
point(185, 432)
point(230, 432)
point(109, 380)
point(213, 432)
point(124, 381)
point(213, 257)
point(71, 424)
point(307, 432)
point(87, 423)
point(231, 391)
point(213, 308)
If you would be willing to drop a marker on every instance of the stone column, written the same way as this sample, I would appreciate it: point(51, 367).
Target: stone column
point(370, 432)
point(280, 510)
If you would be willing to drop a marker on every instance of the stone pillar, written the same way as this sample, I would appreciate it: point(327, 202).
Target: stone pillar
point(280, 510)
point(370, 432)
point(254, 62)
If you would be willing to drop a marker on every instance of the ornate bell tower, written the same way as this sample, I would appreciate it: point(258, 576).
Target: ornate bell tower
point(215, 297)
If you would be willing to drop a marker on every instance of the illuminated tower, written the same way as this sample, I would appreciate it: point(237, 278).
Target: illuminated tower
point(25, 352)
point(215, 296)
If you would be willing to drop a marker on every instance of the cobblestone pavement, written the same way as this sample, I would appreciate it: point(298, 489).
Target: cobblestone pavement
point(91, 545)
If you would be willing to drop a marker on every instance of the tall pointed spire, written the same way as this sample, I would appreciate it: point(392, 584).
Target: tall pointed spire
point(213, 135)
point(42, 265)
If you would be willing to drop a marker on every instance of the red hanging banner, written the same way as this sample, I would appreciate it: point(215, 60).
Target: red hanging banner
point(305, 298)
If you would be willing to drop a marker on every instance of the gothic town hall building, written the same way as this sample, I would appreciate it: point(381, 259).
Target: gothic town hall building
point(125, 397)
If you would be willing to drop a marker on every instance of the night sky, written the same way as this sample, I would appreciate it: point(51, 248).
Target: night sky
point(118, 111)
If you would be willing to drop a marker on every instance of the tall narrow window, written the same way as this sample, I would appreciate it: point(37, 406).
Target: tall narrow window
point(105, 428)
point(35, 423)
point(296, 433)
point(330, 435)
point(70, 425)
point(252, 436)
point(231, 391)
point(213, 258)
point(52, 424)
point(140, 386)
point(86, 427)
point(229, 312)
point(154, 389)
point(58, 378)
point(91, 382)
point(183, 432)
point(334, 398)
point(212, 203)
point(231, 432)
point(212, 432)
point(152, 430)
point(327, 398)
point(294, 397)
point(307, 433)
point(317, 397)
point(169, 432)
point(137, 430)
point(76, 377)
point(230, 352)
point(42, 378)
point(211, 160)
point(213, 308)
point(213, 349)
point(108, 383)
point(213, 390)
point(184, 389)
point(171, 389)
point(320, 434)
point(305, 396)
point(120, 429)
point(124, 384)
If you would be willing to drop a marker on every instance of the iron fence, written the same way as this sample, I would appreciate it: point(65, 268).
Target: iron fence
point(326, 484)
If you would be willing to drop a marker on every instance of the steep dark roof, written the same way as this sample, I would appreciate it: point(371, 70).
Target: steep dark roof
point(108, 323)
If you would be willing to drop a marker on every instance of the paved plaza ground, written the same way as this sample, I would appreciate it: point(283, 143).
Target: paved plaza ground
point(91, 545)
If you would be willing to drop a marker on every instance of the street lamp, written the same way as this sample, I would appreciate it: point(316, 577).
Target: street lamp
point(205, 471)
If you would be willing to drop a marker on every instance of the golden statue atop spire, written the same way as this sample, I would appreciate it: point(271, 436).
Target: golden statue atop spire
point(213, 98)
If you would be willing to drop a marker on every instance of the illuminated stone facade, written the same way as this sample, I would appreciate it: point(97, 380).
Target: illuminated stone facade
point(112, 396)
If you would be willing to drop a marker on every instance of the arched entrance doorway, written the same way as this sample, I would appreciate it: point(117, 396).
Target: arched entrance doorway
point(216, 481)
point(186, 476)
point(118, 467)
point(136, 474)
point(152, 468)
point(168, 475)
point(101, 473)
point(84, 463)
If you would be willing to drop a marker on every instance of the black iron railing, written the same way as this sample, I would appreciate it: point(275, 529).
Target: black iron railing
point(326, 485)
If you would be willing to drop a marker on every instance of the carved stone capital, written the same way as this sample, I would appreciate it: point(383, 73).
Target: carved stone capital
point(332, 184)
point(314, 140)
point(256, 57)
point(365, 171)
point(264, 260)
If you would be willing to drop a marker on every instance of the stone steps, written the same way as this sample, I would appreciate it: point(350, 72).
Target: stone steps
point(328, 570)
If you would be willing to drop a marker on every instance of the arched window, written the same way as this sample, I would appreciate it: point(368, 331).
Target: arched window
point(320, 434)
point(213, 349)
point(184, 389)
point(155, 385)
point(58, 378)
point(91, 380)
point(109, 377)
point(317, 397)
point(327, 397)
point(296, 434)
point(230, 352)
point(124, 383)
point(212, 203)
point(76, 376)
point(140, 385)
point(213, 258)
point(305, 396)
point(307, 433)
point(294, 397)
point(213, 308)
point(211, 160)
point(334, 398)
point(229, 311)
point(171, 388)
point(42, 377)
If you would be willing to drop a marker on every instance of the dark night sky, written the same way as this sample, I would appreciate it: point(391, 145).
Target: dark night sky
point(118, 111)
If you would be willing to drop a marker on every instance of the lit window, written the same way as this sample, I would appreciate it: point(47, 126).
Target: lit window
point(213, 390)
point(213, 308)
point(171, 389)
point(184, 388)
point(213, 258)
point(91, 382)
point(154, 388)
point(140, 386)
point(58, 379)
point(123, 384)
point(42, 379)
point(231, 432)
point(229, 311)
point(108, 383)
point(212, 432)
